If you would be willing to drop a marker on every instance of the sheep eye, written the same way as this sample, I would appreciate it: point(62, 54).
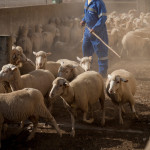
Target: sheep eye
point(118, 82)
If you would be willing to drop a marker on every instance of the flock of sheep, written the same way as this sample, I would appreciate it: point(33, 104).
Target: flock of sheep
point(29, 90)
point(129, 33)
point(125, 30)
point(56, 34)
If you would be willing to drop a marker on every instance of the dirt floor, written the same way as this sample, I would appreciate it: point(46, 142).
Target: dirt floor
point(134, 134)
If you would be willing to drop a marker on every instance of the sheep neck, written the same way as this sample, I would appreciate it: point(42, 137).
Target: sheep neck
point(16, 83)
point(119, 92)
point(44, 66)
point(68, 95)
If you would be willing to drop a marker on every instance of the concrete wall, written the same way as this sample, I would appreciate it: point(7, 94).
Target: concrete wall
point(120, 5)
point(5, 47)
point(12, 18)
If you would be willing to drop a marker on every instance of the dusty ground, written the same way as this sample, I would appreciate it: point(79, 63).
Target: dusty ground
point(134, 134)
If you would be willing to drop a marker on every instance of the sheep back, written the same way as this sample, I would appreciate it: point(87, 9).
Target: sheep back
point(53, 67)
point(21, 104)
point(27, 67)
point(88, 88)
point(38, 79)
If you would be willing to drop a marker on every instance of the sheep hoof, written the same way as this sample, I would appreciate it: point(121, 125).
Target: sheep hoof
point(30, 138)
point(136, 116)
point(72, 133)
point(89, 121)
point(60, 133)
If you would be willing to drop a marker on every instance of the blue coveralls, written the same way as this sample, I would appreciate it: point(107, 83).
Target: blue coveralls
point(95, 18)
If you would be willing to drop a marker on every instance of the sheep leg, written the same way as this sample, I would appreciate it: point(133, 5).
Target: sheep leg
point(22, 124)
point(85, 118)
point(103, 111)
point(5, 127)
point(123, 110)
point(34, 120)
point(53, 121)
point(1, 125)
point(131, 102)
point(120, 115)
point(0, 134)
point(133, 110)
point(91, 110)
point(121, 52)
point(72, 117)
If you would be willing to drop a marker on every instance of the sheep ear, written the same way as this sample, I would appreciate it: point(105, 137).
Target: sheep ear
point(14, 68)
point(34, 53)
point(109, 76)
point(19, 65)
point(48, 54)
point(19, 48)
point(13, 47)
point(90, 58)
point(79, 59)
point(124, 80)
point(66, 84)
point(62, 63)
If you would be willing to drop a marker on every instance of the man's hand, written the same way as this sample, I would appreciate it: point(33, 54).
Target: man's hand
point(91, 31)
point(82, 23)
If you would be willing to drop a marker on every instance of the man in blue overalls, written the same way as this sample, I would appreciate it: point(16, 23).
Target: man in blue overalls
point(95, 18)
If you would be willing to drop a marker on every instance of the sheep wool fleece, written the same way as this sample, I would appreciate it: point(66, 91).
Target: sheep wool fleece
point(95, 18)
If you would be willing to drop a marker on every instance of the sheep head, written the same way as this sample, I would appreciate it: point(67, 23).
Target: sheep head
point(115, 83)
point(59, 84)
point(66, 71)
point(7, 72)
point(85, 62)
point(17, 56)
point(41, 59)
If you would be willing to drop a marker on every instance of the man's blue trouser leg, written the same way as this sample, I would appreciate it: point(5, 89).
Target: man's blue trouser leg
point(90, 45)
point(87, 47)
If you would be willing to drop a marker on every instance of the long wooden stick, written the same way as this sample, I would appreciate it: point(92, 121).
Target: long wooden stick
point(104, 43)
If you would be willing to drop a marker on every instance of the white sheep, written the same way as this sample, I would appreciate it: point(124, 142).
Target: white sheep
point(85, 62)
point(42, 63)
point(69, 71)
point(38, 79)
point(18, 58)
point(22, 105)
point(85, 90)
point(121, 87)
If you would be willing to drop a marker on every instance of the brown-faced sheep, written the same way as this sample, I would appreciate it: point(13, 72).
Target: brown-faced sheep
point(85, 90)
point(19, 59)
point(69, 71)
